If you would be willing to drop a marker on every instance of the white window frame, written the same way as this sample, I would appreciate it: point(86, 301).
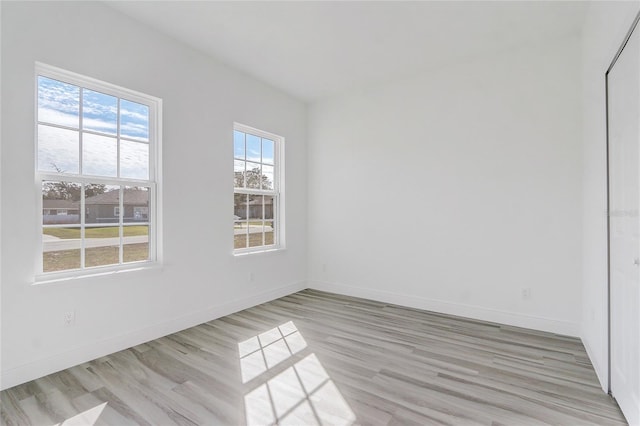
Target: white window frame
point(153, 183)
point(277, 192)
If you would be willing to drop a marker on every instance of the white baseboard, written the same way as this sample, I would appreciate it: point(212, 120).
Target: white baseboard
point(42, 367)
point(51, 364)
point(468, 311)
point(601, 372)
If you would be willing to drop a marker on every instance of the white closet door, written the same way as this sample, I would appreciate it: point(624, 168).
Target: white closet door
point(624, 187)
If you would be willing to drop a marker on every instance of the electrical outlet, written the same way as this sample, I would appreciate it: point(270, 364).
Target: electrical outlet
point(526, 293)
point(251, 276)
point(69, 318)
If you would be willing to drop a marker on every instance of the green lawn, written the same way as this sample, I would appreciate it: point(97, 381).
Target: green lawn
point(97, 256)
point(255, 239)
point(106, 232)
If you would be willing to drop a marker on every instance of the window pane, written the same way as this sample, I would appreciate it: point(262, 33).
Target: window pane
point(58, 102)
point(240, 206)
point(253, 148)
point(269, 230)
point(58, 150)
point(99, 155)
point(256, 234)
point(134, 160)
point(238, 144)
point(238, 173)
point(60, 203)
point(239, 226)
point(267, 177)
point(255, 207)
point(135, 243)
point(60, 249)
point(102, 246)
point(136, 204)
point(267, 151)
point(99, 112)
point(253, 176)
point(239, 235)
point(102, 203)
point(134, 120)
point(269, 209)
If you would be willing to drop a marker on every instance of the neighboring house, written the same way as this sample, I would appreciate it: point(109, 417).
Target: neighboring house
point(105, 208)
point(60, 211)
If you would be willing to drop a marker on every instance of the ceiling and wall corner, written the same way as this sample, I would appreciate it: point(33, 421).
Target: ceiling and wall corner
point(314, 50)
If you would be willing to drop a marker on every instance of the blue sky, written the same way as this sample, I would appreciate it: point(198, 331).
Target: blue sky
point(257, 149)
point(59, 104)
point(252, 152)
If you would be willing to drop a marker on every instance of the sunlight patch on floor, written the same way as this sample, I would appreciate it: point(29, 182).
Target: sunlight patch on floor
point(268, 349)
point(86, 418)
point(303, 393)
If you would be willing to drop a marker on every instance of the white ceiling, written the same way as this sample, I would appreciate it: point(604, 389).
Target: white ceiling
point(313, 50)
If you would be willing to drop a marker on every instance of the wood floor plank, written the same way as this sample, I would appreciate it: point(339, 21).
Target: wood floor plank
point(36, 412)
point(12, 412)
point(321, 358)
point(106, 413)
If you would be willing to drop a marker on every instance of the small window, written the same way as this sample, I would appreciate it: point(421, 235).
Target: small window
point(257, 190)
point(140, 213)
point(97, 152)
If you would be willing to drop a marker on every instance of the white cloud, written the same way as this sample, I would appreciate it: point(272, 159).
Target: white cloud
point(99, 156)
point(58, 103)
point(134, 160)
point(58, 148)
point(48, 115)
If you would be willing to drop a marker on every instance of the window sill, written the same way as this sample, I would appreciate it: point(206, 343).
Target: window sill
point(55, 278)
point(266, 252)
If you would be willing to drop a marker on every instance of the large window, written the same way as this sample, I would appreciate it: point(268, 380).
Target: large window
point(97, 166)
point(257, 190)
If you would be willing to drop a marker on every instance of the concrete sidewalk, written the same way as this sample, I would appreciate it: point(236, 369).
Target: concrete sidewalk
point(57, 244)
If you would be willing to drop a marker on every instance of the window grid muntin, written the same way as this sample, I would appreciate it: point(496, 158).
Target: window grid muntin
point(83, 226)
point(153, 109)
point(81, 131)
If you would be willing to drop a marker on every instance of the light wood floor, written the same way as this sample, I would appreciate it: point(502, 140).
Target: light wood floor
point(319, 358)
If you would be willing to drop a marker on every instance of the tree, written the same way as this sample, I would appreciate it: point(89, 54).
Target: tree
point(92, 189)
point(253, 178)
point(61, 190)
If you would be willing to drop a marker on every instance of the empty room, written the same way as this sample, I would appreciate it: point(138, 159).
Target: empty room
point(320, 213)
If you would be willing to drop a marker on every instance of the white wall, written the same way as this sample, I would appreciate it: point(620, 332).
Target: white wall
point(200, 279)
point(454, 190)
point(605, 27)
